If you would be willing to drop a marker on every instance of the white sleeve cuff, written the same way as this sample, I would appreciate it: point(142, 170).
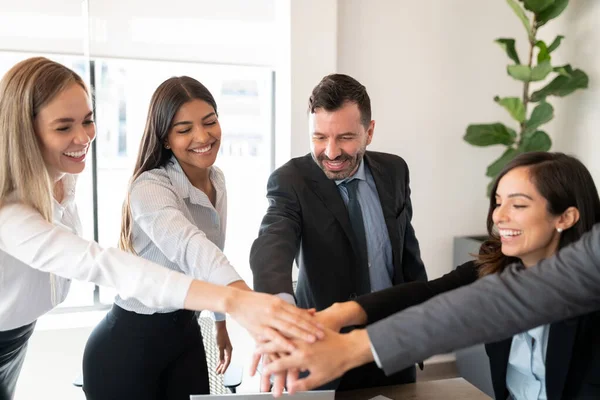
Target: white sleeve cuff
point(219, 316)
point(288, 298)
point(375, 356)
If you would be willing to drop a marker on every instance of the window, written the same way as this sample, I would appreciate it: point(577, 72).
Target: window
point(122, 91)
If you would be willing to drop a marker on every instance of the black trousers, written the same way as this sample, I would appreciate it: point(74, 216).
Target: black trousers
point(13, 346)
point(149, 357)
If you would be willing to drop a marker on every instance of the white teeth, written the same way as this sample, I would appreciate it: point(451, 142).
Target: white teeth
point(75, 154)
point(509, 232)
point(202, 149)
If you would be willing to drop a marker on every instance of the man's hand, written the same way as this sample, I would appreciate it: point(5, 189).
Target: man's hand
point(278, 384)
point(224, 345)
point(325, 359)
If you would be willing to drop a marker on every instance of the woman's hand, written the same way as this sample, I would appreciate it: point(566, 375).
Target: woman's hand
point(224, 345)
point(339, 315)
point(269, 318)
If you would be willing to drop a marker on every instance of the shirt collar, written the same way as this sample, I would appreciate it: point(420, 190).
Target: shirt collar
point(184, 187)
point(68, 181)
point(359, 174)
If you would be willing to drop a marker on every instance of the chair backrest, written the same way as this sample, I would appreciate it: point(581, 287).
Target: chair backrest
point(207, 326)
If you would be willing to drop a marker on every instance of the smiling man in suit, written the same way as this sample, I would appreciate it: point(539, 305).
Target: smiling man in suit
point(343, 213)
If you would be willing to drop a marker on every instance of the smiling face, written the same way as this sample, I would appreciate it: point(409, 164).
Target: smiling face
point(195, 136)
point(65, 129)
point(339, 140)
point(527, 230)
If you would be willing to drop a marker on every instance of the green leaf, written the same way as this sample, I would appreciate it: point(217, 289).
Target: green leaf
point(541, 71)
point(537, 6)
point(551, 12)
point(565, 70)
point(562, 86)
point(509, 46)
point(537, 141)
point(555, 43)
point(490, 134)
point(521, 14)
point(541, 114)
point(514, 106)
point(519, 72)
point(544, 54)
point(527, 74)
point(494, 168)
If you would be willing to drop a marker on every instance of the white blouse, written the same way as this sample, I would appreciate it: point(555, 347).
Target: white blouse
point(37, 258)
point(176, 225)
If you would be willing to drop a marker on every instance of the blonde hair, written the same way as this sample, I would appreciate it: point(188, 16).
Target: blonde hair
point(24, 90)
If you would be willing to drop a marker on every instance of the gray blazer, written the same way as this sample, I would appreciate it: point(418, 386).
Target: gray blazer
point(494, 308)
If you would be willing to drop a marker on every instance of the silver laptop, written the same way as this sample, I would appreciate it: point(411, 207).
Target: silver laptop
point(312, 395)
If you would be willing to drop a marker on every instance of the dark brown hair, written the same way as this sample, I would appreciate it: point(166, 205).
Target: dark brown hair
point(564, 182)
point(337, 89)
point(165, 102)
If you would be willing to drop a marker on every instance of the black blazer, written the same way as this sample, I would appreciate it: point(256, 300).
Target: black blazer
point(572, 355)
point(572, 360)
point(307, 220)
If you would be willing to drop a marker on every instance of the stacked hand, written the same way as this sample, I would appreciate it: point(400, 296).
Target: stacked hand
point(325, 359)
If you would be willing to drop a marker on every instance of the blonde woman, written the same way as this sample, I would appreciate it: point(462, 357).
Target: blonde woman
point(46, 128)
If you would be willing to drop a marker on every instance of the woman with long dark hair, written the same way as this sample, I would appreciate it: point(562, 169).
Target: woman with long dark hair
point(174, 215)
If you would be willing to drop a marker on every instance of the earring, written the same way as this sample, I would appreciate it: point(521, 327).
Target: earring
point(167, 146)
point(559, 230)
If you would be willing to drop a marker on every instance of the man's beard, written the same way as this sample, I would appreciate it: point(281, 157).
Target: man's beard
point(354, 162)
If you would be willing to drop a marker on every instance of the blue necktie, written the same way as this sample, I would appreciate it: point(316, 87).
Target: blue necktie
point(358, 226)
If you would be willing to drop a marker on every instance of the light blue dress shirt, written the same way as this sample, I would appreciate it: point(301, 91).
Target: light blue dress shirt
point(526, 370)
point(379, 248)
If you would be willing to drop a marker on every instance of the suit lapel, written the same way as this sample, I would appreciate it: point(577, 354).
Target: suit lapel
point(385, 190)
point(561, 340)
point(326, 190)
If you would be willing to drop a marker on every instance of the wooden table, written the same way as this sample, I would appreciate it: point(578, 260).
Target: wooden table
point(456, 388)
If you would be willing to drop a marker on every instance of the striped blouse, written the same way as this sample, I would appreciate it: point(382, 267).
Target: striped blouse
point(176, 225)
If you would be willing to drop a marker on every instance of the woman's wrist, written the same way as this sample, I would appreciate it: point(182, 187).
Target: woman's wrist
point(219, 325)
point(359, 348)
point(349, 313)
point(229, 299)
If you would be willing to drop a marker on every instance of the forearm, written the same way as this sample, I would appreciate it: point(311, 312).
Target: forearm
point(206, 296)
point(241, 285)
point(349, 313)
point(495, 307)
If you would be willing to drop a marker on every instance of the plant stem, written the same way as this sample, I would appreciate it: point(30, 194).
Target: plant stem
point(532, 41)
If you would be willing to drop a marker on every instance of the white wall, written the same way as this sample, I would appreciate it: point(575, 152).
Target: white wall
point(431, 69)
point(306, 51)
point(577, 126)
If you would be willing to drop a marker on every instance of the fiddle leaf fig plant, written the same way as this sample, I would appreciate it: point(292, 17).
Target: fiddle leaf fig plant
point(529, 110)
